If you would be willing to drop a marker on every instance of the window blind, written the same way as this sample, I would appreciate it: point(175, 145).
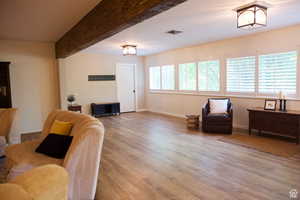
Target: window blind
point(154, 78)
point(168, 77)
point(241, 74)
point(278, 72)
point(187, 76)
point(209, 76)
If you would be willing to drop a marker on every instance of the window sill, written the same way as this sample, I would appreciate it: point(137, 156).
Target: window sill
point(212, 94)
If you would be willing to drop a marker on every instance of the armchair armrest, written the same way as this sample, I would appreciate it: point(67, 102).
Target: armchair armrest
point(230, 109)
point(205, 110)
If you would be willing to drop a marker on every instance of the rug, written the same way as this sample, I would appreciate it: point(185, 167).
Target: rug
point(263, 144)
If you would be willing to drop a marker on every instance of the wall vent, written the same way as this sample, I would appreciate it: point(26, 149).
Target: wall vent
point(174, 32)
point(101, 77)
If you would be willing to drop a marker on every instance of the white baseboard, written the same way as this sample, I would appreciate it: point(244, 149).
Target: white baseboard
point(167, 113)
point(28, 132)
point(240, 126)
point(141, 110)
point(183, 116)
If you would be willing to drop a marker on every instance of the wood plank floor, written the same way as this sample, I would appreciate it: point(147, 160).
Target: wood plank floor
point(147, 156)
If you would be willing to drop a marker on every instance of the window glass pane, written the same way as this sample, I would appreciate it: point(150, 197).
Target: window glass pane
point(154, 78)
point(241, 74)
point(278, 72)
point(187, 76)
point(168, 77)
point(209, 76)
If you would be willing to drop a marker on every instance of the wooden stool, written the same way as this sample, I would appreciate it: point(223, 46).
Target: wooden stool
point(192, 121)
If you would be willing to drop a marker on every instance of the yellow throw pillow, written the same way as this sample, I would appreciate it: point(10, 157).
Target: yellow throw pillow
point(61, 128)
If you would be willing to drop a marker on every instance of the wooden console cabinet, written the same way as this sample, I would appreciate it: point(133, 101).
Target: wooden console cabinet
point(281, 123)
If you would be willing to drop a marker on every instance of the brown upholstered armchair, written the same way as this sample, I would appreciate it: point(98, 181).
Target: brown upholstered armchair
point(217, 122)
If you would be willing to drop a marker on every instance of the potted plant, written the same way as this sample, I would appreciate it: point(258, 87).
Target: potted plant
point(71, 99)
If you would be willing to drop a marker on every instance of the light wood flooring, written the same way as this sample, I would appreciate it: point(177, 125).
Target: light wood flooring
point(147, 156)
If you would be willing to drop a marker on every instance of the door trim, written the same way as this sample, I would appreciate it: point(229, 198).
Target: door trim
point(135, 82)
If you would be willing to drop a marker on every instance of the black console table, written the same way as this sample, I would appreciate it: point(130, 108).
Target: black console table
point(105, 109)
point(282, 123)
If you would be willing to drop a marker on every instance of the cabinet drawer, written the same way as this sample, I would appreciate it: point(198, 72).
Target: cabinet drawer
point(276, 122)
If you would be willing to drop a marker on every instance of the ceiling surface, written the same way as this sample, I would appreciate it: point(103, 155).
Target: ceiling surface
point(200, 20)
point(41, 20)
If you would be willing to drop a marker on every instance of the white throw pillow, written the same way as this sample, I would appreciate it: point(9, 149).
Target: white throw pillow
point(218, 105)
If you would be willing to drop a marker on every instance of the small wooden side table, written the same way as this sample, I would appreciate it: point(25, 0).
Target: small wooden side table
point(192, 121)
point(75, 108)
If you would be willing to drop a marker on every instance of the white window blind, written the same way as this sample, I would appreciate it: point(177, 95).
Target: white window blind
point(209, 76)
point(168, 77)
point(241, 74)
point(154, 78)
point(278, 72)
point(187, 76)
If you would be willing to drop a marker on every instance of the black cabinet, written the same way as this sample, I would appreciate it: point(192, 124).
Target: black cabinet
point(5, 93)
point(105, 109)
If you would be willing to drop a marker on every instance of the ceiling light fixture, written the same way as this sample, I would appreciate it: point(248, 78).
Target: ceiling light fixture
point(129, 50)
point(253, 15)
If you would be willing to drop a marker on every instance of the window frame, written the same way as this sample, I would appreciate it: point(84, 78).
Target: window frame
point(275, 95)
point(223, 77)
point(220, 78)
point(178, 78)
point(161, 79)
point(230, 93)
point(149, 82)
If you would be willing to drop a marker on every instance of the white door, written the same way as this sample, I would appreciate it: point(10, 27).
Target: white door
point(126, 86)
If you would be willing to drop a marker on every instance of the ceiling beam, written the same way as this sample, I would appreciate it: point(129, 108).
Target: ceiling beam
point(106, 19)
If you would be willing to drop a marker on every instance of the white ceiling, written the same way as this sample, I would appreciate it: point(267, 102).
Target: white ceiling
point(201, 20)
point(41, 20)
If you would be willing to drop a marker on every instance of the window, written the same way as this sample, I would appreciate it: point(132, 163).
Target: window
point(187, 76)
point(168, 77)
point(241, 74)
point(209, 76)
point(278, 72)
point(154, 78)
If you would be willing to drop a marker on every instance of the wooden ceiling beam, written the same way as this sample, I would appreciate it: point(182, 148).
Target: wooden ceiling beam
point(108, 18)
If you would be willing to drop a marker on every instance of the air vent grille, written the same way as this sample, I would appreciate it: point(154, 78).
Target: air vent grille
point(174, 32)
point(101, 77)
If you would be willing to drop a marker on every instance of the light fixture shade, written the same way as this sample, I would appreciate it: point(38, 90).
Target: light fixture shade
point(253, 16)
point(129, 50)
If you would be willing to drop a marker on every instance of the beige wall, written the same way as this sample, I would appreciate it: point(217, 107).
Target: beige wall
point(74, 73)
point(34, 83)
point(180, 104)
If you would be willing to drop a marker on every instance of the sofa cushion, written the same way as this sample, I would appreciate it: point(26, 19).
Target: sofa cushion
point(25, 153)
point(61, 127)
point(218, 117)
point(55, 145)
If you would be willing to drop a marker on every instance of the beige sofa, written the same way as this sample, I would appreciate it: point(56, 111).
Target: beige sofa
point(82, 159)
point(7, 116)
point(48, 182)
